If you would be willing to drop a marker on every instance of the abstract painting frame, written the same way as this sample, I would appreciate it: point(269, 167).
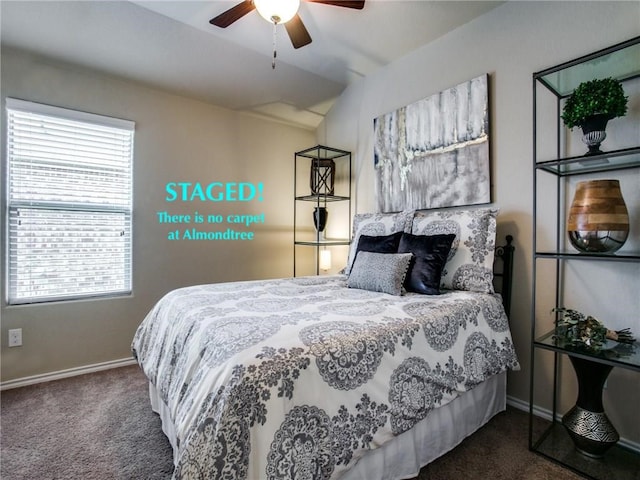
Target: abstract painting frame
point(434, 153)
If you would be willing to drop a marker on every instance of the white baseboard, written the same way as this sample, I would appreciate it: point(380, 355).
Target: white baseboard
point(70, 372)
point(546, 414)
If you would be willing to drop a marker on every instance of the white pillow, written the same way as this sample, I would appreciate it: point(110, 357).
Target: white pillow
point(470, 262)
point(375, 225)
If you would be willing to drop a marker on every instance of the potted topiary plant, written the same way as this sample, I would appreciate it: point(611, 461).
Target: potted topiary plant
point(591, 106)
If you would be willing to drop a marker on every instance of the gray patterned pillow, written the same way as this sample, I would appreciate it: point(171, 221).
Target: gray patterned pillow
point(379, 272)
point(377, 224)
point(470, 262)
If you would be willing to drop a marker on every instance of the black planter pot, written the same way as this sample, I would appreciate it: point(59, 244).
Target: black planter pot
point(593, 132)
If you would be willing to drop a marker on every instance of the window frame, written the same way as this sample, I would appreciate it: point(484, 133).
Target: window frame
point(124, 210)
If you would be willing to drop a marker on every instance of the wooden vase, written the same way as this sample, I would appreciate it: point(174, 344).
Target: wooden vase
point(598, 218)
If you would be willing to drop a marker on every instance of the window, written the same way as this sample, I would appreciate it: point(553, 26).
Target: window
point(69, 203)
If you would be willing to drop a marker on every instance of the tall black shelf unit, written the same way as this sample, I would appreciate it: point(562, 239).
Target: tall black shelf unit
point(621, 62)
point(304, 162)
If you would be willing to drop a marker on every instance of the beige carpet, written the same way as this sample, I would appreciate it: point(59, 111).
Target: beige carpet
point(100, 426)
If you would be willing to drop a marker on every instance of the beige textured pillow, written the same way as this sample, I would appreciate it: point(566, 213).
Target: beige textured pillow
point(379, 272)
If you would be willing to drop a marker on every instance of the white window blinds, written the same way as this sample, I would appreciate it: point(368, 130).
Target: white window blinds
point(70, 203)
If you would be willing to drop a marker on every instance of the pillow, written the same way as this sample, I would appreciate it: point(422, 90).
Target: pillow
point(380, 244)
point(379, 272)
point(429, 256)
point(375, 225)
point(470, 262)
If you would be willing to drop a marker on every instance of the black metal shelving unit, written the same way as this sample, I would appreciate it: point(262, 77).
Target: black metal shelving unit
point(620, 61)
point(304, 161)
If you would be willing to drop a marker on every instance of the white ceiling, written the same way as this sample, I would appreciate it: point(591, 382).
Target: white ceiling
point(171, 45)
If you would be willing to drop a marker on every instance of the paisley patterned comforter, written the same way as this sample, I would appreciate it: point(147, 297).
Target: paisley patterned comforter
point(298, 378)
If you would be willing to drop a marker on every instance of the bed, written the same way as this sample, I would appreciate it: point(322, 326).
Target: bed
point(323, 378)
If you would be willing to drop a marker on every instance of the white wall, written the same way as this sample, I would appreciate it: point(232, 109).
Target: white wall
point(176, 140)
point(510, 43)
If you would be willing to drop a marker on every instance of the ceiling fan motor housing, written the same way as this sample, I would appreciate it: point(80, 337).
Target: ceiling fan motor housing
point(277, 11)
point(280, 11)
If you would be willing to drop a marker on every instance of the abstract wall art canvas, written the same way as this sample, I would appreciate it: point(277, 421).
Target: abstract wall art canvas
point(434, 152)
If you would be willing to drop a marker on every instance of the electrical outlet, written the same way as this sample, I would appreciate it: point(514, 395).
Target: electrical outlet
point(15, 337)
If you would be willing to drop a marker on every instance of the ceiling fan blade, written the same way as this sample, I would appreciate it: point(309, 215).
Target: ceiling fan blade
point(358, 5)
point(297, 32)
point(235, 13)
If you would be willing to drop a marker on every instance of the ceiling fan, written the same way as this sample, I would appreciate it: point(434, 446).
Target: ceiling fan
point(277, 12)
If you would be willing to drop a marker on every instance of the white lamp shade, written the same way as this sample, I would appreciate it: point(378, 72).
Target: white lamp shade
point(325, 260)
point(277, 11)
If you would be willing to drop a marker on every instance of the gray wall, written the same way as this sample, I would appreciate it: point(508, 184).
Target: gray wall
point(510, 43)
point(176, 139)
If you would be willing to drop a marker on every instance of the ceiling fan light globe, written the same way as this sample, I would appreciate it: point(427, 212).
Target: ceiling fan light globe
point(277, 11)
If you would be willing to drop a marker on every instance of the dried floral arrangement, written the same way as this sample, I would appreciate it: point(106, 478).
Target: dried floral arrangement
point(586, 331)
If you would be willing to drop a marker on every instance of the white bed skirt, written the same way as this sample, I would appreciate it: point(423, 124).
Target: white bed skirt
point(442, 430)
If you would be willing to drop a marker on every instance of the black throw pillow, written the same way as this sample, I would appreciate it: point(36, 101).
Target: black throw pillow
point(429, 256)
point(378, 244)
